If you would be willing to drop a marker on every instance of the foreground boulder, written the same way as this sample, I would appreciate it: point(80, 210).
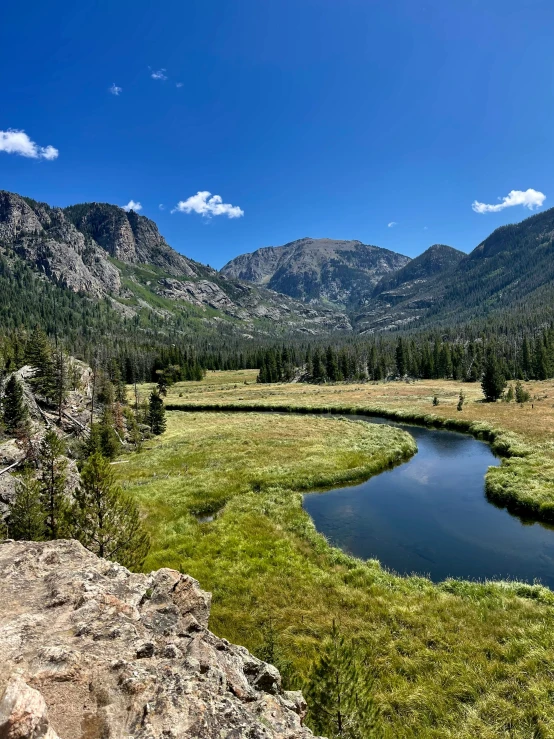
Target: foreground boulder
point(89, 650)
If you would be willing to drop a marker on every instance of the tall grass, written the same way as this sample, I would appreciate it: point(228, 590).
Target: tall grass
point(457, 659)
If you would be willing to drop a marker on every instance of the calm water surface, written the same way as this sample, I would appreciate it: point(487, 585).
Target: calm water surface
point(430, 516)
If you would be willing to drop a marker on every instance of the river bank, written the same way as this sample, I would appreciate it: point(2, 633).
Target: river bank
point(457, 659)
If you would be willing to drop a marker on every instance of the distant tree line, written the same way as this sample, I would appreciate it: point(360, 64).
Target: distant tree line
point(416, 357)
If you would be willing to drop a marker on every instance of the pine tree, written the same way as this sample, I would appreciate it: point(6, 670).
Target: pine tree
point(110, 443)
point(493, 381)
point(27, 515)
point(318, 369)
point(331, 365)
point(60, 380)
point(156, 414)
point(338, 693)
point(39, 356)
point(133, 430)
point(522, 395)
point(53, 479)
point(526, 364)
point(400, 358)
point(14, 410)
point(105, 520)
point(541, 361)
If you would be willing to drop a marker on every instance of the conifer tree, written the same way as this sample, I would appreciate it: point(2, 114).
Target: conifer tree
point(110, 443)
point(318, 369)
point(541, 361)
point(522, 395)
point(133, 430)
point(526, 363)
point(14, 410)
point(59, 380)
point(338, 693)
point(39, 356)
point(27, 515)
point(105, 520)
point(156, 413)
point(400, 358)
point(331, 365)
point(53, 479)
point(493, 381)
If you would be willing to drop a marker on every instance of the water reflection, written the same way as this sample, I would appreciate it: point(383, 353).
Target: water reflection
point(430, 515)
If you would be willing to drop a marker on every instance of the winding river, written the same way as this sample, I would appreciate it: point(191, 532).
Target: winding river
point(430, 516)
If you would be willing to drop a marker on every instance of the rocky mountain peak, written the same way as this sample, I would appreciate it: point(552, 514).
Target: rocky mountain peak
point(128, 237)
point(46, 238)
point(338, 271)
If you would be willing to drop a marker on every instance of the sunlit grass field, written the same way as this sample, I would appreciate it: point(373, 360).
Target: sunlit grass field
point(524, 434)
point(451, 660)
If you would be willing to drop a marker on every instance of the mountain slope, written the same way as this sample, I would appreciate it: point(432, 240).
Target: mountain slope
point(340, 272)
point(509, 277)
point(100, 252)
point(514, 264)
point(436, 260)
point(406, 295)
point(128, 237)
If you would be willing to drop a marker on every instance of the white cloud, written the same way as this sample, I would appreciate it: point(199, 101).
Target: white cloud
point(392, 224)
point(208, 205)
point(178, 84)
point(161, 206)
point(132, 205)
point(159, 75)
point(13, 141)
point(115, 90)
point(529, 199)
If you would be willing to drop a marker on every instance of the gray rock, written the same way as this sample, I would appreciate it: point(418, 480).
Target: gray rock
point(45, 237)
point(23, 712)
point(120, 654)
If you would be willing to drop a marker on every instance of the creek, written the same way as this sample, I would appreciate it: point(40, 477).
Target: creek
point(430, 516)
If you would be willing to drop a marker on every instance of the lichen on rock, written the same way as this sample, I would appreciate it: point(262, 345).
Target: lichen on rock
point(117, 654)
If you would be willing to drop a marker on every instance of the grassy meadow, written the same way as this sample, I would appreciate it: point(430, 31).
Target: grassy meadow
point(456, 659)
point(522, 434)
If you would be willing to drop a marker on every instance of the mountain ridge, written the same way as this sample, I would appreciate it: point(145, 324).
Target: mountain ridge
point(311, 287)
point(101, 251)
point(330, 270)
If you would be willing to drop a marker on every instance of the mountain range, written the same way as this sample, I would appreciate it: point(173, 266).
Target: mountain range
point(510, 274)
point(103, 253)
point(97, 254)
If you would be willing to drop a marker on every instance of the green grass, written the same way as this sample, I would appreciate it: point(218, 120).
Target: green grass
point(457, 659)
point(524, 482)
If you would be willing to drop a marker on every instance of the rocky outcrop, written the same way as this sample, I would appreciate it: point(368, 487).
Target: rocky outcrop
point(89, 650)
point(202, 292)
point(46, 238)
point(129, 237)
point(23, 712)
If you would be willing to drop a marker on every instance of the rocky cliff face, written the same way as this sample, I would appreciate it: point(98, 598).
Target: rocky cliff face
point(46, 238)
point(129, 237)
point(89, 650)
point(341, 272)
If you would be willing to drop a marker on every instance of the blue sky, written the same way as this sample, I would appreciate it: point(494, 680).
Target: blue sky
point(313, 117)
